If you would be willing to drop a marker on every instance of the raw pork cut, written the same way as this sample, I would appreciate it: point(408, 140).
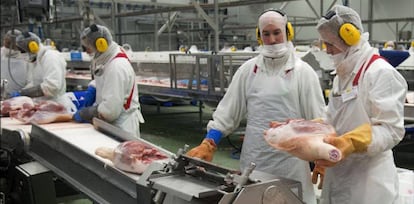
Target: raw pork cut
point(16, 103)
point(303, 139)
point(131, 156)
point(42, 113)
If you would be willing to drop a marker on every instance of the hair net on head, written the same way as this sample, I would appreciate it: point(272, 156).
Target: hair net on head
point(10, 38)
point(89, 36)
point(328, 26)
point(272, 18)
point(23, 40)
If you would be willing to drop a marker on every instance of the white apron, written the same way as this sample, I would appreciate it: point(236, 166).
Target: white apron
point(269, 100)
point(359, 178)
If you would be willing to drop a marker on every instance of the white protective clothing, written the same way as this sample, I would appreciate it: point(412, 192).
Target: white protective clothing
point(15, 70)
point(378, 99)
point(49, 72)
point(263, 94)
point(114, 79)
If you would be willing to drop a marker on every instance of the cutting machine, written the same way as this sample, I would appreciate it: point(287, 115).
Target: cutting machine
point(69, 153)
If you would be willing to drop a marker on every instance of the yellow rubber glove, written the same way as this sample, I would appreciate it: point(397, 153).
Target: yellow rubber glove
point(318, 171)
point(204, 151)
point(355, 141)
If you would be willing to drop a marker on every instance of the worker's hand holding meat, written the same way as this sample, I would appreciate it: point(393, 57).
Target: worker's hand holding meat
point(355, 141)
point(303, 139)
point(16, 103)
point(131, 156)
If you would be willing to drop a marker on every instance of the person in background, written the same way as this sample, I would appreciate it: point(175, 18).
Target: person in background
point(366, 108)
point(13, 66)
point(116, 91)
point(389, 45)
point(47, 76)
point(276, 85)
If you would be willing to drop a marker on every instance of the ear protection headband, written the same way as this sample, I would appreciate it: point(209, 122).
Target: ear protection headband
point(289, 28)
point(101, 43)
point(347, 31)
point(32, 45)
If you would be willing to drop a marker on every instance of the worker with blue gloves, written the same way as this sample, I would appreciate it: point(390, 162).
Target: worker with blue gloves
point(366, 108)
point(276, 85)
point(46, 79)
point(116, 92)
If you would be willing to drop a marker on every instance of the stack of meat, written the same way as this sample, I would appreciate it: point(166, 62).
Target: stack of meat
point(28, 111)
point(303, 139)
point(131, 156)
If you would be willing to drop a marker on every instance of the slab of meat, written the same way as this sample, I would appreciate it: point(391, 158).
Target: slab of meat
point(131, 156)
point(16, 103)
point(303, 139)
point(42, 113)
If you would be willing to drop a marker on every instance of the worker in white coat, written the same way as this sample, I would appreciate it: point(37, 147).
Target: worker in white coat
point(116, 91)
point(46, 79)
point(276, 85)
point(14, 67)
point(366, 108)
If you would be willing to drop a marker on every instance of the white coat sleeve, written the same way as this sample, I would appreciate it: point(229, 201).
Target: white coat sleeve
point(233, 106)
point(386, 91)
point(115, 90)
point(54, 68)
point(311, 99)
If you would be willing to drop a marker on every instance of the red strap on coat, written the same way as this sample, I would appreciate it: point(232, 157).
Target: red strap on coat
point(358, 75)
point(128, 102)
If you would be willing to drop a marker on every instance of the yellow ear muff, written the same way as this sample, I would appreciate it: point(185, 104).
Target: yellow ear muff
point(412, 43)
point(101, 44)
point(290, 31)
point(349, 33)
point(258, 38)
point(33, 47)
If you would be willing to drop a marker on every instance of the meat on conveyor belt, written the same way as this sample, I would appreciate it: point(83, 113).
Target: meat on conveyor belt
point(131, 156)
point(303, 139)
point(42, 112)
point(16, 103)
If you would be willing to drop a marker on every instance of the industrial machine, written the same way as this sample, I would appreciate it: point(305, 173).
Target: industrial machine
point(67, 150)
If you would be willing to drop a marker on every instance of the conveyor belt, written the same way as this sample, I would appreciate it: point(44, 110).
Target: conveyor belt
point(68, 150)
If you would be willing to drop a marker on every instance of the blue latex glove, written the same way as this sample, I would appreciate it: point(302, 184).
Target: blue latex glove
point(14, 94)
point(90, 96)
point(76, 117)
point(85, 115)
point(86, 98)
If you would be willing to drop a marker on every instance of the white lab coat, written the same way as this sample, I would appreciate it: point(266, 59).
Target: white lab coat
point(49, 72)
point(371, 177)
point(13, 68)
point(271, 94)
point(114, 83)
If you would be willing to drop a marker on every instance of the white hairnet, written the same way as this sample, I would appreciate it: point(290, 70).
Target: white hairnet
point(10, 38)
point(272, 17)
point(88, 36)
point(23, 39)
point(329, 25)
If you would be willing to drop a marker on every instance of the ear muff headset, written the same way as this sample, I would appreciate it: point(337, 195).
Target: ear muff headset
point(289, 28)
point(347, 31)
point(101, 43)
point(32, 45)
